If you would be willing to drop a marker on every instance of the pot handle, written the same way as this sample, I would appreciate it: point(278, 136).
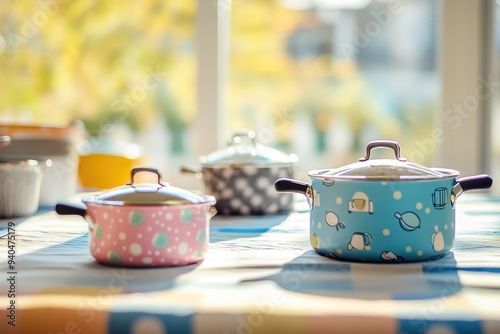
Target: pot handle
point(212, 211)
point(188, 170)
point(482, 181)
point(72, 209)
point(244, 137)
point(294, 186)
point(290, 185)
point(67, 209)
point(145, 169)
point(383, 143)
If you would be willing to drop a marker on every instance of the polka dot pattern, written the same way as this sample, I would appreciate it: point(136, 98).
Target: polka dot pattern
point(114, 257)
point(160, 240)
point(136, 218)
point(186, 216)
point(98, 231)
point(138, 236)
point(244, 190)
point(201, 236)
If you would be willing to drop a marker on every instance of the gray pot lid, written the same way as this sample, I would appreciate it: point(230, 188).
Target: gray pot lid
point(384, 169)
point(244, 149)
point(148, 193)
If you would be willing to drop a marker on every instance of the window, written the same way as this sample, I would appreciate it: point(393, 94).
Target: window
point(494, 88)
point(319, 78)
point(322, 78)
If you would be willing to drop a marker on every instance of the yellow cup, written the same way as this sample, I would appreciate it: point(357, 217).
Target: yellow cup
point(105, 171)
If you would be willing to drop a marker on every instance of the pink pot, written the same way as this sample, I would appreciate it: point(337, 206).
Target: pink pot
point(146, 225)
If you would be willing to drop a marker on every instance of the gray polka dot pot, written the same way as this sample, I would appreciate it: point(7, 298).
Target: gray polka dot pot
point(145, 225)
point(383, 210)
point(241, 177)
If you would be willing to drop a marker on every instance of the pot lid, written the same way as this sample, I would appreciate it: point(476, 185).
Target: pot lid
point(384, 169)
point(245, 149)
point(159, 193)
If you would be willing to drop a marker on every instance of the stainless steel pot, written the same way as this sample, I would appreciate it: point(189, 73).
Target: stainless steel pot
point(241, 177)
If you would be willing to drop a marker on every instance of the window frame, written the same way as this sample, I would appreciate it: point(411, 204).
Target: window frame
point(465, 66)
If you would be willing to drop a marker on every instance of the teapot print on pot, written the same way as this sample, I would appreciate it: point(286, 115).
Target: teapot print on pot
point(359, 241)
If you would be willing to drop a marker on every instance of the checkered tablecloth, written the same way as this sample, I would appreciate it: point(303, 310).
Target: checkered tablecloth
point(259, 276)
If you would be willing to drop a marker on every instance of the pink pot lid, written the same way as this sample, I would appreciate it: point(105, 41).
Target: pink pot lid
point(160, 193)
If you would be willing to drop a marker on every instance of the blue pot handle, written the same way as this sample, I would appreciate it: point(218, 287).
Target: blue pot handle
point(295, 186)
point(475, 182)
point(482, 181)
point(290, 185)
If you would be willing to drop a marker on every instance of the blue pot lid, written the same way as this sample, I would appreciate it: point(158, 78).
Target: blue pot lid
point(384, 169)
point(244, 149)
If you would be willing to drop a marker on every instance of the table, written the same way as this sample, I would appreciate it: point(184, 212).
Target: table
point(259, 276)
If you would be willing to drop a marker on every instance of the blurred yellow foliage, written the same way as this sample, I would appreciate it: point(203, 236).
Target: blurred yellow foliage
point(74, 60)
point(94, 59)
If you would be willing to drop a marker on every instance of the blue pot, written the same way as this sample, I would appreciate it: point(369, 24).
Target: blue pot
point(383, 210)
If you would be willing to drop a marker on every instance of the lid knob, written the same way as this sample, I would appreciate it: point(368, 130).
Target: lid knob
point(383, 143)
point(244, 137)
point(145, 169)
